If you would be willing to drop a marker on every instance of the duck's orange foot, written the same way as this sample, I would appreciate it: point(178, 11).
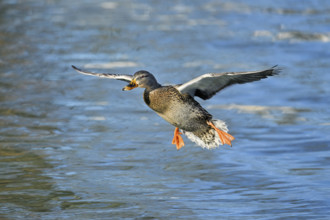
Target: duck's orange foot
point(225, 138)
point(177, 139)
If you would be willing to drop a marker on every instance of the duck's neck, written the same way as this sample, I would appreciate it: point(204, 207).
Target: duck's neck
point(153, 86)
point(146, 96)
point(147, 92)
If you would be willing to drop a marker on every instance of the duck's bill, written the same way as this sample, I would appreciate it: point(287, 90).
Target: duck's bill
point(130, 86)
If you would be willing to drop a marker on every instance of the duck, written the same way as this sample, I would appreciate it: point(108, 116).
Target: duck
point(177, 105)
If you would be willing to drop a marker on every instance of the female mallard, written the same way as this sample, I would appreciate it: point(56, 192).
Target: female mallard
point(176, 103)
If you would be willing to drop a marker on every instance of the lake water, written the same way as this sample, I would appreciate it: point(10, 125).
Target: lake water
point(77, 147)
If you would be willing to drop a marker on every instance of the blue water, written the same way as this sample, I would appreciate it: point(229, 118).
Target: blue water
point(77, 147)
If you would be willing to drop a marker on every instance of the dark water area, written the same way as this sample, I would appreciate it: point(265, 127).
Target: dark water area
point(77, 147)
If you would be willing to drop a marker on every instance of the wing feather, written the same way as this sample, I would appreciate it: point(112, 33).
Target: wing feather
point(207, 85)
point(126, 78)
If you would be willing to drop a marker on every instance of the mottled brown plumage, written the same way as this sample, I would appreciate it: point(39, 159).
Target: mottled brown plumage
point(177, 108)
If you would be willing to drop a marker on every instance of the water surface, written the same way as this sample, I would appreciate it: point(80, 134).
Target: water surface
point(77, 147)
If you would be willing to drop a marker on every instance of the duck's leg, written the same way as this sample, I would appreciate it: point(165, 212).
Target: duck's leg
point(177, 139)
point(225, 138)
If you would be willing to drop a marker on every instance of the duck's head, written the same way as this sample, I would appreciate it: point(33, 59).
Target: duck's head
point(142, 79)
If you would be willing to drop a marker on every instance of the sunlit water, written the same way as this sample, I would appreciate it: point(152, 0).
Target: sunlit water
point(77, 147)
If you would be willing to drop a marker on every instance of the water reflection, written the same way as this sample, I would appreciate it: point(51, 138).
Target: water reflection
point(24, 182)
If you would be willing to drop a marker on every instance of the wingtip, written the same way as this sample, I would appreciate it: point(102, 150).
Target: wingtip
point(74, 67)
point(276, 69)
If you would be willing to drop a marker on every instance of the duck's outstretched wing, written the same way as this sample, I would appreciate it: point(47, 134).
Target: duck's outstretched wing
point(126, 78)
point(207, 85)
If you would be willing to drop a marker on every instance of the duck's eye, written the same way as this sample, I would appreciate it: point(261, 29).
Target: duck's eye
point(141, 77)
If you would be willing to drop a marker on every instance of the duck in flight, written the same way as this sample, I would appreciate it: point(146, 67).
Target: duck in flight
point(176, 103)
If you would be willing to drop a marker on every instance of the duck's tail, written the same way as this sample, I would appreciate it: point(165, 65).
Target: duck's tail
point(211, 138)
